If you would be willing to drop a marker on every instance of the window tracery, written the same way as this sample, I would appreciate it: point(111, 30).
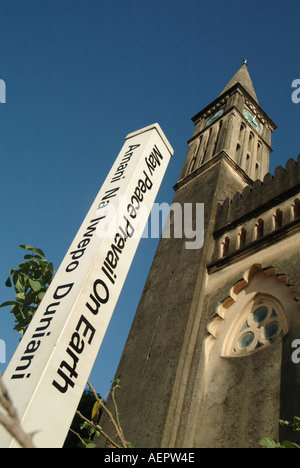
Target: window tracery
point(261, 324)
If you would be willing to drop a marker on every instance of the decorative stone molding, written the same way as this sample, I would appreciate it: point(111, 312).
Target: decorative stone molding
point(248, 321)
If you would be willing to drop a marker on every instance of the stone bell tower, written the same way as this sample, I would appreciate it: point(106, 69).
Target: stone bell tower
point(235, 124)
point(181, 385)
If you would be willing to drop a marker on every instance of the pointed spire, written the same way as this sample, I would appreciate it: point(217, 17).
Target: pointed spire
point(242, 76)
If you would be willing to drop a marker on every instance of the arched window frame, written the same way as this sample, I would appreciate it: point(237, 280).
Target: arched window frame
point(296, 208)
point(225, 247)
point(242, 238)
point(259, 228)
point(250, 142)
point(261, 323)
point(278, 219)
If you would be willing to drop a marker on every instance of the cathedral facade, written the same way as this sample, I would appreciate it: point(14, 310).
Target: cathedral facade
point(209, 358)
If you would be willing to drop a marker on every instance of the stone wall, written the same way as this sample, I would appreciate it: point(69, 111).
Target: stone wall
point(258, 217)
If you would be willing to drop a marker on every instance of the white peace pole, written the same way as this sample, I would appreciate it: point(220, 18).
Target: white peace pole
point(49, 370)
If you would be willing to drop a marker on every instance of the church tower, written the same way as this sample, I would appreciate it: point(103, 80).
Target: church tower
point(203, 363)
point(235, 124)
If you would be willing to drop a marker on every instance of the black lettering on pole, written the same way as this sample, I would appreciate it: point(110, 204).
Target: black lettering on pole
point(75, 348)
point(92, 227)
point(49, 311)
point(102, 300)
point(98, 297)
point(84, 334)
point(42, 330)
point(110, 193)
point(66, 288)
point(68, 382)
point(88, 328)
point(93, 308)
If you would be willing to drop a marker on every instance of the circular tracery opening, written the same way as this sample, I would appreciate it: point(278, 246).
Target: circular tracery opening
point(260, 314)
point(246, 340)
point(262, 323)
point(271, 330)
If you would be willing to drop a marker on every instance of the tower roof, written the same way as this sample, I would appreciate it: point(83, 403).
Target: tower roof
point(242, 76)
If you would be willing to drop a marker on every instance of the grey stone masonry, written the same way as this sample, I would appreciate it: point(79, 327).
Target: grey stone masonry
point(258, 199)
point(258, 216)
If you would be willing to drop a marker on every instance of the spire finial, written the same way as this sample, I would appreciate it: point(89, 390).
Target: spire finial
point(242, 76)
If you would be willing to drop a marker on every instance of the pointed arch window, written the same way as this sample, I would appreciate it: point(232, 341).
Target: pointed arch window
point(242, 134)
point(250, 142)
point(259, 229)
point(261, 324)
point(259, 151)
point(242, 238)
point(192, 166)
point(225, 247)
point(248, 163)
point(238, 153)
point(278, 219)
point(296, 208)
point(195, 155)
point(206, 145)
point(217, 137)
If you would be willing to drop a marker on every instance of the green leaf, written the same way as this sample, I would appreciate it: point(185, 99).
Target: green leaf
point(20, 297)
point(284, 423)
point(287, 444)
point(26, 247)
point(32, 249)
point(270, 443)
point(8, 283)
point(42, 261)
point(8, 303)
point(29, 298)
point(35, 285)
point(15, 277)
point(40, 252)
point(91, 445)
point(19, 329)
point(20, 282)
point(28, 257)
point(41, 295)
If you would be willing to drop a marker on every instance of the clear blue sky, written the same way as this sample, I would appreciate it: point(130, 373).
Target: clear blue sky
point(82, 74)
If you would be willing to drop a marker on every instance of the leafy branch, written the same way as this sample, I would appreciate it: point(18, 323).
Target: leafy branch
point(30, 281)
point(95, 429)
point(268, 442)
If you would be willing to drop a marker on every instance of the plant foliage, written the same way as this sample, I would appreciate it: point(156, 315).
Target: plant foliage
point(268, 442)
point(30, 281)
point(92, 427)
